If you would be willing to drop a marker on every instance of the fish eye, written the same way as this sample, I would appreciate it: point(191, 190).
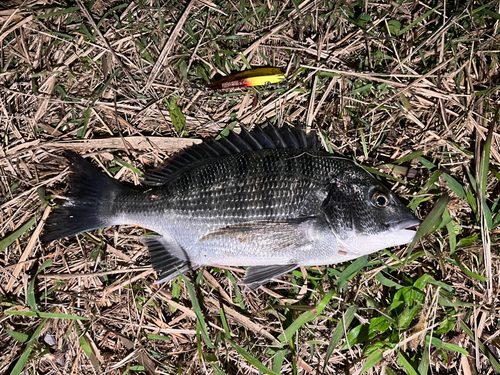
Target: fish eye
point(380, 199)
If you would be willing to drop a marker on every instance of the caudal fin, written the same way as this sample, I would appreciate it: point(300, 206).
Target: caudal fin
point(89, 206)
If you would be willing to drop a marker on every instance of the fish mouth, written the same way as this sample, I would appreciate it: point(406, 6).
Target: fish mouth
point(408, 224)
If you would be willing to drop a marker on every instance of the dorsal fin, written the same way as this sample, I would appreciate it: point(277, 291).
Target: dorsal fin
point(312, 141)
point(276, 137)
point(289, 138)
point(263, 138)
point(250, 139)
point(239, 142)
point(301, 137)
point(255, 140)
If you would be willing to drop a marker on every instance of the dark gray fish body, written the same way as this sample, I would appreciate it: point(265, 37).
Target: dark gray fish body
point(273, 207)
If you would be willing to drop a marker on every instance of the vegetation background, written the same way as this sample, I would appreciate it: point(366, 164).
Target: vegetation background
point(409, 89)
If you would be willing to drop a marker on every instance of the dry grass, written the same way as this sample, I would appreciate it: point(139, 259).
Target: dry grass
point(379, 81)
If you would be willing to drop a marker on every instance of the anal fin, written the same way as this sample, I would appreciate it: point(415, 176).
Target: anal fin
point(164, 262)
point(257, 276)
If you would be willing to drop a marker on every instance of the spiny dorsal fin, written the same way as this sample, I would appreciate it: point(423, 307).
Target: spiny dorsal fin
point(258, 139)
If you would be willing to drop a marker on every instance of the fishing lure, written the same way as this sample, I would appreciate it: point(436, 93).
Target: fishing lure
point(247, 78)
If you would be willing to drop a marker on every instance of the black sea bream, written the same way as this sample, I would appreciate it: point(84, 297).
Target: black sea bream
point(267, 199)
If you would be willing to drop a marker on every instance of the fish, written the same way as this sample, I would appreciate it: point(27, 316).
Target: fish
point(268, 199)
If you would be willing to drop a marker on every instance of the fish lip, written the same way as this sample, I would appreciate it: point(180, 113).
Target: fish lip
point(407, 224)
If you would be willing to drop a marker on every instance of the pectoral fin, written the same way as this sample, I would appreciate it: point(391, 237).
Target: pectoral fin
point(257, 276)
point(278, 235)
point(164, 262)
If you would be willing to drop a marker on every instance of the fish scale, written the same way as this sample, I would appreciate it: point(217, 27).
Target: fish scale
point(216, 195)
point(267, 199)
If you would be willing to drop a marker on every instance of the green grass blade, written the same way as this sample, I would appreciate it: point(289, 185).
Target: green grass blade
point(339, 332)
point(431, 221)
point(224, 322)
point(467, 271)
point(305, 318)
point(21, 337)
point(199, 341)
point(87, 349)
point(372, 360)
point(176, 115)
point(455, 186)
point(413, 155)
point(152, 336)
point(31, 289)
point(31, 344)
point(238, 297)
point(403, 361)
point(428, 185)
point(279, 358)
point(245, 61)
point(81, 132)
point(426, 163)
point(352, 270)
point(363, 142)
point(451, 231)
point(252, 360)
point(198, 312)
point(485, 159)
point(129, 166)
point(103, 88)
point(111, 11)
point(9, 240)
point(361, 89)
point(45, 315)
point(382, 174)
point(418, 20)
point(387, 282)
point(58, 13)
point(217, 369)
point(445, 345)
point(482, 347)
point(423, 366)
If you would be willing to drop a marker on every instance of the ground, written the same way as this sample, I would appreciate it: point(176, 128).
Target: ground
point(408, 89)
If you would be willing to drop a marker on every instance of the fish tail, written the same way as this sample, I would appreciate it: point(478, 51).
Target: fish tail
point(90, 204)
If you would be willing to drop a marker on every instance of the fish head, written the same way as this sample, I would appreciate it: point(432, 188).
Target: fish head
point(364, 214)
